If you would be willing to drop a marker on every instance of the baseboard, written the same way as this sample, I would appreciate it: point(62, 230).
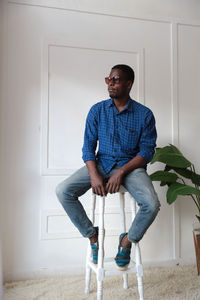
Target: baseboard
point(169, 263)
point(80, 269)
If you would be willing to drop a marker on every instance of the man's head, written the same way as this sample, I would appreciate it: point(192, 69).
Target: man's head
point(120, 81)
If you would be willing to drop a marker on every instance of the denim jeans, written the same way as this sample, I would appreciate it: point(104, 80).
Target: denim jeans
point(137, 183)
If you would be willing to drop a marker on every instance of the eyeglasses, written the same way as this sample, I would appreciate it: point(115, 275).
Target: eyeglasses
point(114, 79)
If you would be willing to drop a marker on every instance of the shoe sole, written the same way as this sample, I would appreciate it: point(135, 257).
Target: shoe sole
point(122, 268)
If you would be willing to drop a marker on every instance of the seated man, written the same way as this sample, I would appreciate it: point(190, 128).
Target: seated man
point(125, 130)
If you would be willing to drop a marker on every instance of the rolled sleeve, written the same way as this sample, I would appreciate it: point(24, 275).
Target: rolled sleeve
point(90, 136)
point(148, 138)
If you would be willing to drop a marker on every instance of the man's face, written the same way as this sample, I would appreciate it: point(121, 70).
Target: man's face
point(118, 85)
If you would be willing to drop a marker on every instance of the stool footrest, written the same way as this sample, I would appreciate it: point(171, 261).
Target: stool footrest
point(109, 270)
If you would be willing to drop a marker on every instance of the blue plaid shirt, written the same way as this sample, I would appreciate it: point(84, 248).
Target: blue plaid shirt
point(120, 135)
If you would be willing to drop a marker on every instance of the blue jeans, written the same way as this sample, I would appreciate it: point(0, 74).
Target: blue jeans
point(137, 183)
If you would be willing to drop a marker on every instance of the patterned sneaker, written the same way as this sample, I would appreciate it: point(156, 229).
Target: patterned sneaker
point(122, 258)
point(95, 249)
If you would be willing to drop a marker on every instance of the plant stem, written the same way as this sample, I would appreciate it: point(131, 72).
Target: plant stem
point(197, 204)
point(182, 180)
point(196, 185)
point(196, 201)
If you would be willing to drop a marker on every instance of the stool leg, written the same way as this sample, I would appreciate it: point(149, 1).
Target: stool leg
point(139, 270)
point(89, 251)
point(138, 261)
point(123, 228)
point(87, 274)
point(122, 212)
point(100, 270)
point(125, 278)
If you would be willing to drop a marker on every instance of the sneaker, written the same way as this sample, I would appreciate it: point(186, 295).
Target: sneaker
point(122, 258)
point(95, 249)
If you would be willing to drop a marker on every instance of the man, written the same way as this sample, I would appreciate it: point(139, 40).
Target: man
point(125, 130)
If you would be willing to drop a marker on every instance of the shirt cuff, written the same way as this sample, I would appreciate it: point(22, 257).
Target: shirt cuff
point(88, 156)
point(146, 155)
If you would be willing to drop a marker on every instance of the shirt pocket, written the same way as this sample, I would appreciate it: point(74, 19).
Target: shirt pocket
point(129, 138)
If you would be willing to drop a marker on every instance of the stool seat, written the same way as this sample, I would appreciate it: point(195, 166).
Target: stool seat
point(122, 189)
point(106, 266)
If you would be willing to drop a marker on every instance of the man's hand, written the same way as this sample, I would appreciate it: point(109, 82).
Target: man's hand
point(114, 182)
point(97, 181)
point(98, 185)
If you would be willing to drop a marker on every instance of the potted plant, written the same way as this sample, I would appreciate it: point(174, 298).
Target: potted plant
point(180, 177)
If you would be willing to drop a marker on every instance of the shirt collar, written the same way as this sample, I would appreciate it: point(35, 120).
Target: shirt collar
point(128, 107)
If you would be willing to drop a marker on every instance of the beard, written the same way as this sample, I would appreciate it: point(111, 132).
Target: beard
point(113, 95)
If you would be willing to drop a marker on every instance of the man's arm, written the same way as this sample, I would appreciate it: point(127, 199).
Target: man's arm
point(89, 148)
point(90, 136)
point(148, 138)
point(115, 180)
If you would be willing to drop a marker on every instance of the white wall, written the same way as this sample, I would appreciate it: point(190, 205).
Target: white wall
point(1, 199)
point(171, 10)
point(57, 54)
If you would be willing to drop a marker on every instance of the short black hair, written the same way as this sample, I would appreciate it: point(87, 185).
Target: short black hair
point(128, 71)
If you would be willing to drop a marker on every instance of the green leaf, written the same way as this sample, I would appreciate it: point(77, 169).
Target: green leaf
point(163, 183)
point(176, 189)
point(195, 178)
point(173, 160)
point(158, 150)
point(164, 176)
point(167, 168)
point(175, 149)
point(171, 156)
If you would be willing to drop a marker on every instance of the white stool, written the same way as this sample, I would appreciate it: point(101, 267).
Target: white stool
point(134, 267)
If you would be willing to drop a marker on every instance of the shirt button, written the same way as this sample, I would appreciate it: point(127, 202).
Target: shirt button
point(115, 150)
